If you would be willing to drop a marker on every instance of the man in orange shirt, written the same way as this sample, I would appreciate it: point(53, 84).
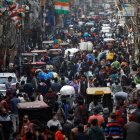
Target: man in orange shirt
point(97, 116)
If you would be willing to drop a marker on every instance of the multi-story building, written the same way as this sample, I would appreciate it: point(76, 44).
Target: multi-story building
point(132, 21)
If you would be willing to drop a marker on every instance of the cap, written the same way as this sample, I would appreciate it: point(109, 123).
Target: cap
point(106, 110)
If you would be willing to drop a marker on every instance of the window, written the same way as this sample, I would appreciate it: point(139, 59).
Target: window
point(3, 80)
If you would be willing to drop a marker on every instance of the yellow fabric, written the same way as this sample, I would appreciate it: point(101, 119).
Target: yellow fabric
point(110, 56)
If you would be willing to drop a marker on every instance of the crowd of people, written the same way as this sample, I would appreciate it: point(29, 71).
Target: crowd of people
point(79, 120)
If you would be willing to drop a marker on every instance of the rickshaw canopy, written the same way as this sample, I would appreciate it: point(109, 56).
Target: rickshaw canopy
point(98, 91)
point(36, 63)
point(32, 105)
point(64, 44)
point(39, 51)
point(55, 51)
point(109, 39)
point(29, 54)
point(48, 42)
point(72, 51)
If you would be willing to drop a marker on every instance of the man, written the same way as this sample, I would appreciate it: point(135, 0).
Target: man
point(34, 82)
point(6, 123)
point(81, 134)
point(4, 102)
point(8, 84)
point(68, 126)
point(114, 129)
point(96, 116)
point(136, 113)
point(95, 133)
point(54, 122)
point(74, 131)
point(69, 73)
point(132, 129)
point(42, 87)
point(14, 101)
point(81, 111)
point(56, 86)
point(83, 86)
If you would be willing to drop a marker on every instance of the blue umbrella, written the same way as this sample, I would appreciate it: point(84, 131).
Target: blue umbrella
point(43, 75)
point(50, 75)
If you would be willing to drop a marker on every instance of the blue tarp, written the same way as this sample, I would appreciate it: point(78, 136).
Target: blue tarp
point(45, 76)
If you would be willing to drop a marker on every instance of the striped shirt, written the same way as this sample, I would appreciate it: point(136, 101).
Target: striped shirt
point(114, 129)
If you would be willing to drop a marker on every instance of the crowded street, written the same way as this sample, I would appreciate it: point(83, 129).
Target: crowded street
point(69, 70)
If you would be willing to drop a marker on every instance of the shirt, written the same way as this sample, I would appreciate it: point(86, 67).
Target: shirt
point(114, 129)
point(82, 136)
point(59, 135)
point(98, 117)
point(8, 85)
point(14, 101)
point(54, 123)
point(132, 131)
point(39, 98)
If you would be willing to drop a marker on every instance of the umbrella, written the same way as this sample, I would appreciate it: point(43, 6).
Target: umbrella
point(67, 90)
point(121, 94)
point(50, 75)
point(42, 75)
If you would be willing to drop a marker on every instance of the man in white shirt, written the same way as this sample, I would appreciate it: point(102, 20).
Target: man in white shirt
point(8, 84)
point(54, 122)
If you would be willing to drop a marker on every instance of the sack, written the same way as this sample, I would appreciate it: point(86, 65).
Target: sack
point(110, 56)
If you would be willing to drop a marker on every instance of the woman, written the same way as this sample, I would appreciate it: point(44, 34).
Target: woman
point(27, 126)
